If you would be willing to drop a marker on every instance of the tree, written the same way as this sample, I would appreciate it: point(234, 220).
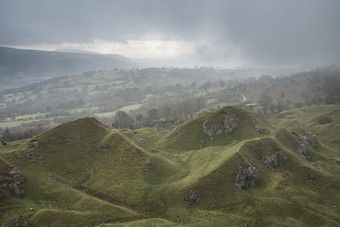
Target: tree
point(152, 114)
point(272, 107)
point(122, 120)
point(265, 101)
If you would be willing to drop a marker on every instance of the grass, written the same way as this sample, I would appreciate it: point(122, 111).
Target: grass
point(190, 135)
point(128, 186)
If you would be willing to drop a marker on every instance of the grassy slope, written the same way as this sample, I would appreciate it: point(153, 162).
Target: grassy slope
point(69, 152)
point(180, 167)
point(190, 135)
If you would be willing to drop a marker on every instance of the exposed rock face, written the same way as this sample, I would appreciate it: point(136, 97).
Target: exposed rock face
point(217, 128)
point(309, 139)
point(247, 177)
point(229, 124)
point(274, 159)
point(13, 180)
point(303, 152)
point(32, 153)
point(259, 128)
point(193, 198)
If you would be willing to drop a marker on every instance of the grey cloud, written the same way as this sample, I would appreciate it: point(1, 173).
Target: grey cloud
point(268, 31)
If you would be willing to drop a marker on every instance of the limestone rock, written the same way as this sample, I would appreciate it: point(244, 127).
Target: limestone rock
point(247, 177)
point(309, 139)
point(229, 124)
point(193, 197)
point(217, 128)
point(212, 129)
point(274, 159)
point(259, 128)
point(303, 152)
point(13, 180)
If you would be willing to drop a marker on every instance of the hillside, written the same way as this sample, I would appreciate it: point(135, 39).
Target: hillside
point(223, 127)
point(22, 67)
point(83, 174)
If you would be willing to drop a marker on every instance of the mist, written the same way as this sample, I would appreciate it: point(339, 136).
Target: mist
point(221, 33)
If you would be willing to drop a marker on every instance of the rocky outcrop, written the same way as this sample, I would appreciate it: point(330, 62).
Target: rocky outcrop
point(259, 128)
point(13, 180)
point(303, 152)
point(274, 159)
point(247, 177)
point(212, 128)
point(229, 124)
point(32, 153)
point(307, 141)
point(193, 197)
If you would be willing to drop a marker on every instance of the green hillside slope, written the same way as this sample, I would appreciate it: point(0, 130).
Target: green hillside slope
point(190, 135)
point(83, 174)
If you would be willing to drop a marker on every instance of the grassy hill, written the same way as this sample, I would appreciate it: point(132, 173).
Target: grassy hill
point(83, 174)
point(190, 135)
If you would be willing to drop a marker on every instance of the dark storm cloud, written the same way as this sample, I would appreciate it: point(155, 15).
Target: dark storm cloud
point(267, 31)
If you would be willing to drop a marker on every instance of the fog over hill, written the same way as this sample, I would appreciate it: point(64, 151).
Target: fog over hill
point(19, 67)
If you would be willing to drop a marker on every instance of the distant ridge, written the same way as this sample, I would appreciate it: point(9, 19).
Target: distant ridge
point(19, 66)
point(66, 50)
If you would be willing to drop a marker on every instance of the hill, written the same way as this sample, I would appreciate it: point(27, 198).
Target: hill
point(22, 67)
point(83, 174)
point(223, 127)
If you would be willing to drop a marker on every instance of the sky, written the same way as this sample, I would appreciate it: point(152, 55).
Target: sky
point(221, 32)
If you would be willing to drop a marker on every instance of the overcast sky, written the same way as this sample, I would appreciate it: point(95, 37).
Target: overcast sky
point(240, 32)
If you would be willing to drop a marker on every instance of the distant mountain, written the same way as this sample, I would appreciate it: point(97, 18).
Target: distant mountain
point(18, 66)
point(67, 50)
